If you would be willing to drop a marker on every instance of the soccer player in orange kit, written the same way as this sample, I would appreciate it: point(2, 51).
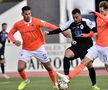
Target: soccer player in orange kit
point(33, 44)
point(100, 49)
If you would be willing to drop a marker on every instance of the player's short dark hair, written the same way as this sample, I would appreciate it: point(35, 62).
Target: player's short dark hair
point(76, 10)
point(4, 24)
point(26, 8)
point(103, 4)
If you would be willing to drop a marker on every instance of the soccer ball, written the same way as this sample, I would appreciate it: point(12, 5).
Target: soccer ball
point(62, 85)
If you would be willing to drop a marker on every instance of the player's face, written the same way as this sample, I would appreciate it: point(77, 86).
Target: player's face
point(26, 15)
point(77, 18)
point(103, 11)
point(4, 27)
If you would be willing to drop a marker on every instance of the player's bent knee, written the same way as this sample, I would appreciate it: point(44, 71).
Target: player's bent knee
point(106, 66)
point(90, 65)
point(69, 54)
point(2, 61)
point(48, 66)
point(107, 69)
point(86, 61)
point(20, 69)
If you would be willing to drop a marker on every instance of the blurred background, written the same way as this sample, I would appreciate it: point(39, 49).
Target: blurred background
point(54, 11)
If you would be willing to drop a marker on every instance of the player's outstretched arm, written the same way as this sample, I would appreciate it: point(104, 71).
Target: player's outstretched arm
point(87, 35)
point(102, 17)
point(50, 26)
point(99, 15)
point(53, 32)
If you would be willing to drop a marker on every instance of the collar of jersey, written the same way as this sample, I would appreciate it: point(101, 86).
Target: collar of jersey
point(27, 23)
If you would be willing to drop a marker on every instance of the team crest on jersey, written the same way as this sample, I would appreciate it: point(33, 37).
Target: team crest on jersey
point(91, 23)
point(82, 26)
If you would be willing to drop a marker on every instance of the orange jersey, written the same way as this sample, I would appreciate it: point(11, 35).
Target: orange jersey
point(102, 30)
point(31, 33)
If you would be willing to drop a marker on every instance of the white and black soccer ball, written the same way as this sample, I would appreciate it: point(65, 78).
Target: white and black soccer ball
point(62, 85)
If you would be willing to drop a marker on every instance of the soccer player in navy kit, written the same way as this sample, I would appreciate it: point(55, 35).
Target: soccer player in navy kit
point(3, 37)
point(82, 31)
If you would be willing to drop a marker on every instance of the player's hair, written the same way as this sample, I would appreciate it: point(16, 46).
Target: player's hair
point(103, 4)
point(76, 10)
point(26, 8)
point(4, 24)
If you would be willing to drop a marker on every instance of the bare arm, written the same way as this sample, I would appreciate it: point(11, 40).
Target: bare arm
point(100, 16)
point(67, 34)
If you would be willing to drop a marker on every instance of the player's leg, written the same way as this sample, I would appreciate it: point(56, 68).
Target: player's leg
point(42, 55)
point(51, 72)
point(21, 68)
point(92, 54)
point(66, 65)
point(106, 67)
point(104, 57)
point(2, 68)
point(22, 73)
point(3, 71)
point(92, 75)
point(69, 54)
point(76, 71)
point(79, 68)
point(24, 57)
point(2, 62)
point(89, 57)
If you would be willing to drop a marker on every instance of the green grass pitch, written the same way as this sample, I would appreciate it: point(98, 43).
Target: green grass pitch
point(44, 83)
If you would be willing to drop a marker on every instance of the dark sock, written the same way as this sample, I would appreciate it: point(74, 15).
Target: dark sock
point(2, 68)
point(92, 75)
point(66, 65)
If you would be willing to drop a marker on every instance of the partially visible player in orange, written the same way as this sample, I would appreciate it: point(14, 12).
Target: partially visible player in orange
point(100, 49)
point(33, 44)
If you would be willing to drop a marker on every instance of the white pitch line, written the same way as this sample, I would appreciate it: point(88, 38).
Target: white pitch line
point(5, 83)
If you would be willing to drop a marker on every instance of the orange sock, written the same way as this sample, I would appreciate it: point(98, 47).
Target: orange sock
point(23, 75)
point(76, 71)
point(53, 76)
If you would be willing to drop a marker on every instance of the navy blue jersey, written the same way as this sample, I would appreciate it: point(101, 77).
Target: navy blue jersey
point(76, 29)
point(3, 37)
